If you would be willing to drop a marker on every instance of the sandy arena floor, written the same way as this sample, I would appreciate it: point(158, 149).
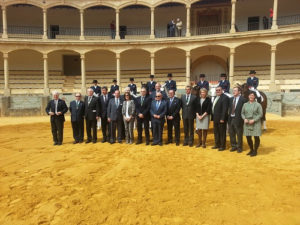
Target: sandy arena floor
point(128, 184)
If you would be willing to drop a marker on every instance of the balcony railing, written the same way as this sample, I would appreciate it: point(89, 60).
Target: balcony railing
point(288, 20)
point(161, 32)
point(250, 27)
point(24, 31)
point(211, 30)
point(64, 33)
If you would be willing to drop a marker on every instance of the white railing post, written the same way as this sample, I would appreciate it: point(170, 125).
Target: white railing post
point(82, 24)
point(4, 23)
point(152, 35)
point(46, 75)
point(188, 21)
point(83, 76)
point(45, 26)
point(275, 10)
point(6, 75)
point(233, 4)
point(188, 68)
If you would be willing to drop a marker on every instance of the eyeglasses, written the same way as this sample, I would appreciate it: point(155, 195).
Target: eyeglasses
point(157, 96)
point(218, 90)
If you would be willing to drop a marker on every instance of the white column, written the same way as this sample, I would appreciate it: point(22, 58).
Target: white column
point(188, 21)
point(233, 3)
point(275, 10)
point(117, 25)
point(152, 56)
point(188, 68)
point(272, 86)
point(46, 75)
point(6, 75)
point(82, 24)
point(45, 26)
point(231, 66)
point(83, 78)
point(4, 22)
point(118, 69)
point(152, 35)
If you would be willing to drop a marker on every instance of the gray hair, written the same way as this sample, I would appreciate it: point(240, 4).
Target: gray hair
point(90, 89)
point(55, 93)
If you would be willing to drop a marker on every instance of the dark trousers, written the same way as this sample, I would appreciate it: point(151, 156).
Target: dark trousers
point(220, 134)
point(176, 124)
point(78, 130)
point(105, 128)
point(91, 125)
point(188, 127)
point(140, 123)
point(57, 128)
point(114, 125)
point(157, 126)
point(236, 133)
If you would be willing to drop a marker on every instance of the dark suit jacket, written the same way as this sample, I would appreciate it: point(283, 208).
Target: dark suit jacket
point(221, 109)
point(61, 107)
point(238, 109)
point(132, 88)
point(77, 114)
point(188, 110)
point(205, 85)
point(171, 85)
point(150, 87)
point(143, 109)
point(113, 89)
point(92, 110)
point(161, 111)
point(113, 112)
point(97, 89)
point(252, 83)
point(104, 105)
point(164, 95)
point(206, 106)
point(174, 108)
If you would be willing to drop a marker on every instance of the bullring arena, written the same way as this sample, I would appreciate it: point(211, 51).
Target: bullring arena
point(63, 45)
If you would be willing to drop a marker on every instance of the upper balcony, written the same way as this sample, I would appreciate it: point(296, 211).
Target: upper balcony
point(117, 21)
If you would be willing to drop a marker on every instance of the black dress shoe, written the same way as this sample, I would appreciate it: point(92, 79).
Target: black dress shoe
point(239, 151)
point(75, 142)
point(59, 143)
point(94, 141)
point(185, 144)
point(147, 142)
point(153, 144)
point(233, 149)
point(80, 141)
point(160, 144)
point(221, 149)
point(191, 145)
point(112, 142)
point(103, 141)
point(138, 142)
point(88, 141)
point(177, 143)
point(215, 147)
point(120, 142)
point(55, 143)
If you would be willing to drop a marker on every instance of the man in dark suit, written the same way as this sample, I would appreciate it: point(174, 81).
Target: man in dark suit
point(96, 88)
point(220, 117)
point(92, 113)
point(77, 118)
point(132, 86)
point(114, 87)
point(158, 90)
point(56, 108)
point(173, 117)
point(224, 83)
point(151, 85)
point(188, 116)
point(203, 83)
point(104, 100)
point(171, 84)
point(235, 120)
point(142, 107)
point(158, 112)
point(114, 117)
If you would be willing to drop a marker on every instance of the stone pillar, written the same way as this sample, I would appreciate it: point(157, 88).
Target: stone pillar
point(118, 70)
point(232, 29)
point(117, 25)
point(152, 35)
point(5, 105)
point(46, 76)
point(188, 68)
point(6, 75)
point(188, 21)
point(4, 22)
point(231, 66)
point(275, 10)
point(83, 78)
point(82, 24)
point(272, 87)
point(45, 26)
point(44, 103)
point(152, 56)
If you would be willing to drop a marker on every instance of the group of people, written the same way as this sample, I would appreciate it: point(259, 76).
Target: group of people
point(153, 107)
point(174, 28)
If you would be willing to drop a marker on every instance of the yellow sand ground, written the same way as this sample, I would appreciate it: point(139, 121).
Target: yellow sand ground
point(128, 184)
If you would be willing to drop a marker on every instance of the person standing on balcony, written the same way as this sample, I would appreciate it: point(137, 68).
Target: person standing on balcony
point(113, 30)
point(151, 85)
point(132, 86)
point(271, 16)
point(266, 22)
point(114, 87)
point(171, 84)
point(179, 27)
point(96, 88)
point(224, 83)
point(203, 83)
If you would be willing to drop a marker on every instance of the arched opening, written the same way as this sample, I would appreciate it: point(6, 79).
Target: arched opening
point(209, 60)
point(135, 21)
point(210, 17)
point(28, 23)
point(166, 16)
point(98, 20)
point(63, 22)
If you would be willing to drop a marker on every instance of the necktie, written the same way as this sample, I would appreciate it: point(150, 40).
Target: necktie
point(117, 102)
point(89, 99)
point(56, 103)
point(142, 100)
point(104, 98)
point(77, 104)
point(187, 99)
point(171, 100)
point(157, 105)
point(215, 102)
point(233, 107)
